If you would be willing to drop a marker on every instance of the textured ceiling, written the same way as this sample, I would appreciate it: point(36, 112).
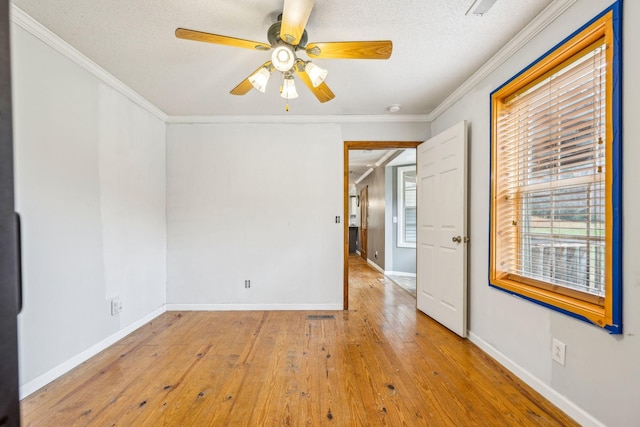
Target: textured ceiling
point(435, 49)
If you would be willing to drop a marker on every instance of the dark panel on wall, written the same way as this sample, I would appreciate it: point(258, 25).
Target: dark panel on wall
point(9, 295)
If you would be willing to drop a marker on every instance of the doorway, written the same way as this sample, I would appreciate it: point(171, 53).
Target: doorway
point(361, 145)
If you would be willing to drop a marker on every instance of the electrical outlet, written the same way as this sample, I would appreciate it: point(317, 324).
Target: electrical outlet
point(116, 306)
point(247, 284)
point(558, 351)
point(375, 255)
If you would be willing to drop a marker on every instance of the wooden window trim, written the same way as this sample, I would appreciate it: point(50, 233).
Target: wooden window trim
point(605, 312)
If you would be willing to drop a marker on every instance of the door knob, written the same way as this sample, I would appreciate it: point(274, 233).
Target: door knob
point(457, 239)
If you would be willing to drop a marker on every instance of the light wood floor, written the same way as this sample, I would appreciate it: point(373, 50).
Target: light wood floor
point(380, 363)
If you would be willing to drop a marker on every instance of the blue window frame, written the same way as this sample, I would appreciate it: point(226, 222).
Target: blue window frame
point(556, 181)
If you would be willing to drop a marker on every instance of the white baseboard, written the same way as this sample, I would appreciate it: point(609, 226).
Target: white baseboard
point(375, 266)
point(399, 273)
point(63, 368)
point(253, 307)
point(561, 401)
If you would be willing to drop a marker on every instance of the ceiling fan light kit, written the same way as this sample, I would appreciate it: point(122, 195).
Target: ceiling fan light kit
point(288, 87)
point(287, 36)
point(260, 78)
point(283, 58)
point(316, 74)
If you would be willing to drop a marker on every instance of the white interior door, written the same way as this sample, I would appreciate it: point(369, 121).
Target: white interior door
point(442, 228)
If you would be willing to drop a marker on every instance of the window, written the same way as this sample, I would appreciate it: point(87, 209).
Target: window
point(555, 188)
point(407, 206)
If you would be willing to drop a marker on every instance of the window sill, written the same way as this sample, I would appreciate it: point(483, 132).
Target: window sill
point(406, 245)
point(582, 310)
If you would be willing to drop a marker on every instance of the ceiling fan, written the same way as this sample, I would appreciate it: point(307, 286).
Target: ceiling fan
point(286, 37)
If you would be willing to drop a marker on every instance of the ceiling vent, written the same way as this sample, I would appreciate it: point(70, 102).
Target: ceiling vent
point(480, 7)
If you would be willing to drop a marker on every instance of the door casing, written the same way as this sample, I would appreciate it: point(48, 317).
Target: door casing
point(361, 145)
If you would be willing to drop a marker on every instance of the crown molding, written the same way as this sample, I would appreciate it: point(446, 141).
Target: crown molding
point(539, 23)
point(306, 119)
point(20, 18)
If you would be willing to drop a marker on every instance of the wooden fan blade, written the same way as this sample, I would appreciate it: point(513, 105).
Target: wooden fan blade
point(322, 91)
point(245, 85)
point(295, 15)
point(199, 36)
point(380, 49)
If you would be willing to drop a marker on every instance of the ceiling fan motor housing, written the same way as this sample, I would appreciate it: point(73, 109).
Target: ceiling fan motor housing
point(273, 35)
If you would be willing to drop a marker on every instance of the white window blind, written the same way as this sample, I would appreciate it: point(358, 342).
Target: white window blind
point(551, 177)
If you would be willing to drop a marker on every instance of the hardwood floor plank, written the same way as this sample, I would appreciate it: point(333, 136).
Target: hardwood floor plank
point(48, 397)
point(380, 363)
point(276, 380)
point(235, 402)
point(139, 396)
point(190, 392)
point(227, 393)
point(344, 361)
point(310, 411)
point(331, 396)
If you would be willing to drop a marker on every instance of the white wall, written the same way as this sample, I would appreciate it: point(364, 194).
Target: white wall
point(389, 130)
point(258, 202)
point(602, 372)
point(254, 202)
point(90, 186)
